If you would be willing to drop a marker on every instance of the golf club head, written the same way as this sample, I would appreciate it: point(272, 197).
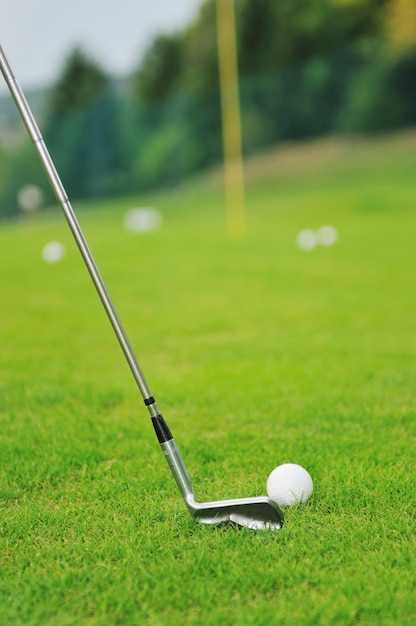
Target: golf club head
point(259, 513)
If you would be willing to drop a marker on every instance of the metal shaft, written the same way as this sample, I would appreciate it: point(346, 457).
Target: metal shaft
point(70, 216)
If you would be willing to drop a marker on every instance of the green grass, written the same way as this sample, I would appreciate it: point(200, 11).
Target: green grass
point(258, 354)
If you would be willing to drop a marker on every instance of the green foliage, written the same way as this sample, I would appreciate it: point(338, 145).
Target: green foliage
point(298, 101)
point(82, 129)
point(169, 139)
point(160, 163)
point(81, 82)
point(382, 95)
point(158, 74)
point(200, 54)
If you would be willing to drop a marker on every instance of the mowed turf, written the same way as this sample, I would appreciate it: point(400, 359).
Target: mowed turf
point(258, 354)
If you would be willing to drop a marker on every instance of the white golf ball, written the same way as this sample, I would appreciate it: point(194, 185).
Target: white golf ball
point(289, 484)
point(306, 239)
point(30, 198)
point(327, 235)
point(142, 220)
point(53, 252)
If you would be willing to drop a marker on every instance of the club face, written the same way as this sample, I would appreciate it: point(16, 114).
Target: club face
point(254, 513)
point(260, 513)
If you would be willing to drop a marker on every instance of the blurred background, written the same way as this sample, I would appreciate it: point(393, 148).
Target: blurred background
point(131, 101)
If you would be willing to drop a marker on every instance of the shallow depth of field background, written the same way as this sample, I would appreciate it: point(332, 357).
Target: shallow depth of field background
point(258, 352)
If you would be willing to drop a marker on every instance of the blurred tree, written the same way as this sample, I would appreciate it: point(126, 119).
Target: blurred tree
point(81, 82)
point(200, 68)
point(383, 95)
point(186, 61)
point(177, 99)
point(82, 128)
point(159, 72)
point(278, 34)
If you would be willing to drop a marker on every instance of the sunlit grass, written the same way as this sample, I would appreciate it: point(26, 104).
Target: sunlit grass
point(258, 353)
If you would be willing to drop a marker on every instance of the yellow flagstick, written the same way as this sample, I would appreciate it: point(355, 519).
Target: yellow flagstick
point(231, 118)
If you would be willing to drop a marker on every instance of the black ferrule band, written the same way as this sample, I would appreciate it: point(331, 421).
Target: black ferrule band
point(162, 429)
point(149, 401)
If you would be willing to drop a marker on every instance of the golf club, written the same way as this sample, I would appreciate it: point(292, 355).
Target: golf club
point(256, 513)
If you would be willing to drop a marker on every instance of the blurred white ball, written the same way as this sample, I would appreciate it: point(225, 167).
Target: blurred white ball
point(289, 484)
point(142, 220)
point(53, 252)
point(306, 239)
point(327, 235)
point(30, 198)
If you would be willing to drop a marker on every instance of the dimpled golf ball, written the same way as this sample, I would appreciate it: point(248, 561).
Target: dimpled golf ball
point(289, 484)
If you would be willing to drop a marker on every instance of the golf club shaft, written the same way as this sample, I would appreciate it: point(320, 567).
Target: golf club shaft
point(61, 195)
